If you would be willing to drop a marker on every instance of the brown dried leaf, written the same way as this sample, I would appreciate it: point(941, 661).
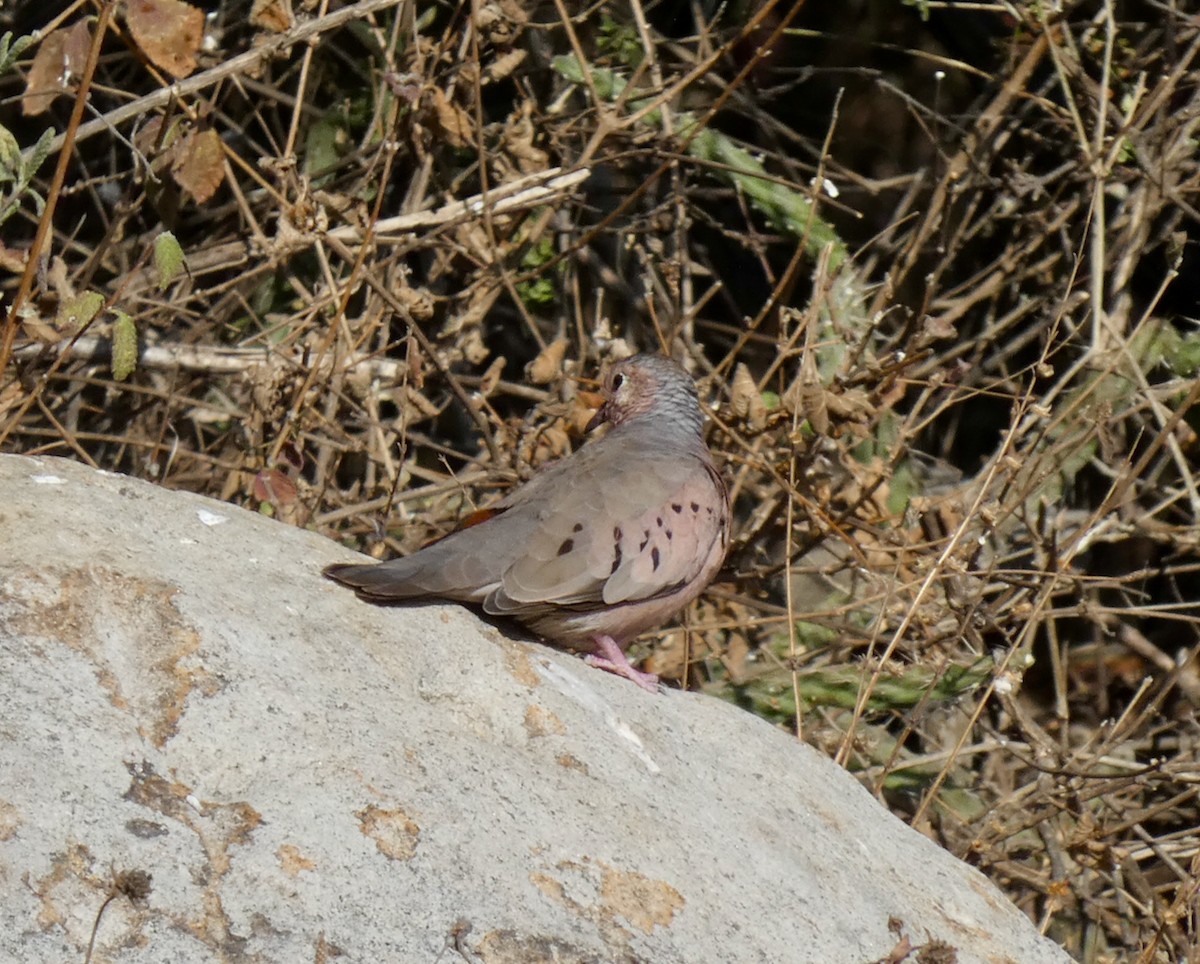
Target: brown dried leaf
point(583, 407)
point(548, 445)
point(491, 377)
point(418, 302)
point(60, 58)
point(416, 362)
point(13, 259)
point(479, 303)
point(199, 165)
point(271, 485)
point(349, 208)
point(548, 364)
point(150, 140)
point(453, 120)
point(169, 32)
point(472, 347)
point(273, 15)
point(502, 21)
point(416, 405)
point(475, 240)
point(853, 405)
point(812, 398)
point(893, 395)
point(504, 65)
point(519, 133)
point(806, 398)
point(746, 401)
point(38, 330)
point(938, 328)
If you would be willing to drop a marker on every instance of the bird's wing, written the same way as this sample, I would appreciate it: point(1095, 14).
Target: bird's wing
point(606, 537)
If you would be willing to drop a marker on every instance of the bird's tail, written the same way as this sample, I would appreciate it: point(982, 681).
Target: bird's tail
point(382, 581)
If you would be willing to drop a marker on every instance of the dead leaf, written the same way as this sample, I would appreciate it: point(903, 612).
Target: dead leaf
point(519, 134)
point(501, 22)
point(583, 406)
point(475, 240)
point(416, 362)
point(491, 377)
point(152, 141)
point(199, 165)
point(271, 485)
point(453, 120)
point(347, 207)
point(273, 15)
point(59, 59)
point(13, 259)
point(746, 401)
point(417, 407)
point(549, 444)
point(938, 328)
point(169, 32)
point(893, 395)
point(479, 303)
point(853, 405)
point(38, 330)
point(807, 398)
point(58, 278)
point(418, 302)
point(504, 65)
point(548, 364)
point(472, 347)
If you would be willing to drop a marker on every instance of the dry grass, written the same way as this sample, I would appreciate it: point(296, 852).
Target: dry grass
point(955, 403)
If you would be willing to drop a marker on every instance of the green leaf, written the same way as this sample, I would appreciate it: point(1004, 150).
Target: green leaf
point(77, 313)
point(325, 144)
point(124, 346)
point(620, 41)
point(10, 155)
point(537, 291)
point(11, 50)
point(38, 155)
point(168, 258)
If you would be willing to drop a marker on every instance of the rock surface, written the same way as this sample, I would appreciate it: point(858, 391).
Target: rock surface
point(309, 778)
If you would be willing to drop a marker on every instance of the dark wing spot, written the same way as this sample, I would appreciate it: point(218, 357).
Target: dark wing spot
point(676, 508)
point(659, 521)
point(645, 541)
point(567, 546)
point(670, 534)
point(695, 506)
point(578, 527)
point(618, 535)
point(655, 558)
point(616, 560)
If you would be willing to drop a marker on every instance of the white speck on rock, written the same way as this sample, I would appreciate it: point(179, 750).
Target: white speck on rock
point(572, 685)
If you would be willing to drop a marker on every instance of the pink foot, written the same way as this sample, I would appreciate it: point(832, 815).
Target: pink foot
point(608, 656)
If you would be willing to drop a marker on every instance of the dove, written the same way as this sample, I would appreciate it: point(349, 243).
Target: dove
point(603, 545)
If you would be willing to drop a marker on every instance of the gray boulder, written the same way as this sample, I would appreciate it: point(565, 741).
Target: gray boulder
point(305, 777)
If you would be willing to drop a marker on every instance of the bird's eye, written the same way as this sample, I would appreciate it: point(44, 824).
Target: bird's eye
point(617, 381)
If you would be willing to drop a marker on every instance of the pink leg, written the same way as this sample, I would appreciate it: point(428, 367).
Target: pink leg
point(608, 656)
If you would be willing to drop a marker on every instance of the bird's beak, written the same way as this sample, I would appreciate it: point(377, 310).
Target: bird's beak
point(598, 402)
